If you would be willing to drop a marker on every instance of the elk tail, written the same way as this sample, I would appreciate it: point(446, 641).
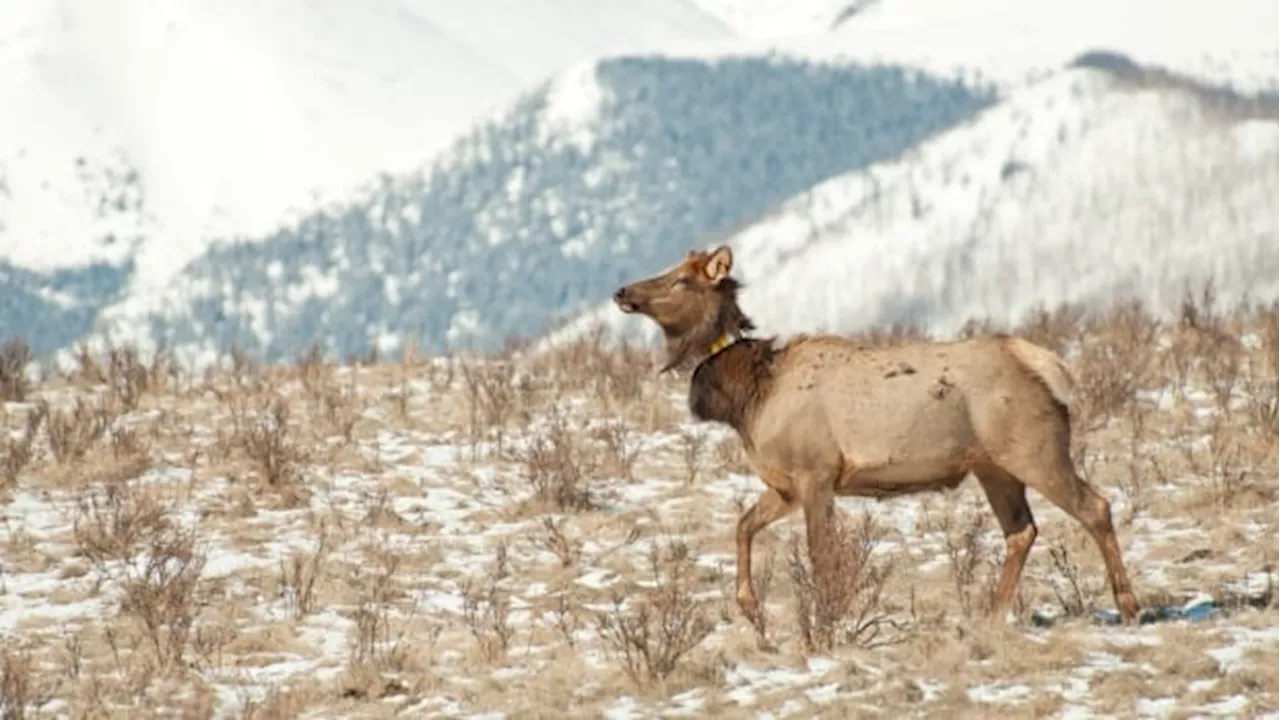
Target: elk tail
point(1048, 368)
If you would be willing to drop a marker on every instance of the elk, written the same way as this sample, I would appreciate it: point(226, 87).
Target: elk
point(821, 416)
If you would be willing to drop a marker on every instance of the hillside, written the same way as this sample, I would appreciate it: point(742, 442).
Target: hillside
point(453, 537)
point(136, 133)
point(116, 201)
point(589, 179)
point(1088, 188)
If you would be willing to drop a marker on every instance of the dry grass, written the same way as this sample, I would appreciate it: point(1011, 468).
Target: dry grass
point(439, 536)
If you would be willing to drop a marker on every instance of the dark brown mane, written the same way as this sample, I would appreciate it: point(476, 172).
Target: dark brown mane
point(728, 386)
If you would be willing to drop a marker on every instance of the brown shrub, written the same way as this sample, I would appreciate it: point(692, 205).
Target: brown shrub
point(559, 465)
point(128, 379)
point(1262, 386)
point(21, 691)
point(623, 446)
point(840, 602)
point(381, 648)
point(614, 376)
point(553, 538)
point(968, 562)
point(19, 451)
point(341, 410)
point(693, 443)
point(652, 628)
point(129, 538)
point(301, 574)
point(73, 432)
point(491, 401)
point(487, 609)
point(1055, 329)
point(375, 643)
point(114, 519)
point(1117, 357)
point(1224, 461)
point(730, 457)
point(313, 372)
point(1076, 594)
point(263, 433)
point(15, 356)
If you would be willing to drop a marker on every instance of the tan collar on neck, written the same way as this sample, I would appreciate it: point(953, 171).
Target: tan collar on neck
point(720, 344)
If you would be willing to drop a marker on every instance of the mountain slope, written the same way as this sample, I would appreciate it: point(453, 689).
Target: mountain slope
point(544, 206)
point(138, 131)
point(228, 113)
point(607, 170)
point(1085, 188)
point(233, 112)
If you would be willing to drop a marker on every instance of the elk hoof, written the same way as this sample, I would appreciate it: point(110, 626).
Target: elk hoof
point(1129, 607)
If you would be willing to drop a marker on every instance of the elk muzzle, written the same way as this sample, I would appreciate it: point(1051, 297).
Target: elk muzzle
point(624, 301)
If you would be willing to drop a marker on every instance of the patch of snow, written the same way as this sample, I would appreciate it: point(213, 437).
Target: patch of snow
point(997, 693)
point(575, 101)
point(1157, 707)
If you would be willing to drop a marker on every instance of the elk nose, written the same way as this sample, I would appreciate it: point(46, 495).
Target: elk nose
point(620, 299)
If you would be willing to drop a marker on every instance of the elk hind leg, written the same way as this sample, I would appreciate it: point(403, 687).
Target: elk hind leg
point(1058, 481)
point(1008, 499)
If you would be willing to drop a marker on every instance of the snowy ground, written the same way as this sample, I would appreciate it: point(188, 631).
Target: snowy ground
point(431, 538)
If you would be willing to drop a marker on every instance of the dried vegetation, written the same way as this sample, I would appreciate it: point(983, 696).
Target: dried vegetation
point(440, 536)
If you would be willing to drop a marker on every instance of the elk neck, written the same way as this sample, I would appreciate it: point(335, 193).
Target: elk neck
point(732, 382)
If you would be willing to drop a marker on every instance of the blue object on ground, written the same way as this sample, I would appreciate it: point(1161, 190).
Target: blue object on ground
point(1197, 610)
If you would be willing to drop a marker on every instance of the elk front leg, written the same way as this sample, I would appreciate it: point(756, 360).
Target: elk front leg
point(771, 506)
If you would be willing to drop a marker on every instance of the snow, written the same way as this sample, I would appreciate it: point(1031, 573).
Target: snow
point(236, 114)
point(1012, 42)
point(778, 18)
point(455, 511)
point(1234, 43)
point(1073, 190)
point(533, 39)
point(148, 131)
point(574, 106)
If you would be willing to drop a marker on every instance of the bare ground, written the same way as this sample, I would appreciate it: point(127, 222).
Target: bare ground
point(550, 537)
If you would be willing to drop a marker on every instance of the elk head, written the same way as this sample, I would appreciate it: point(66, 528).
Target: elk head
point(695, 303)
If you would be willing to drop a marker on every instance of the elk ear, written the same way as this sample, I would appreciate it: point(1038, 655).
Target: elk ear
point(719, 264)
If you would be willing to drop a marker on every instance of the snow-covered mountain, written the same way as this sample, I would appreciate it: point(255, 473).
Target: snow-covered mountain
point(135, 132)
point(1089, 187)
point(585, 181)
point(678, 134)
